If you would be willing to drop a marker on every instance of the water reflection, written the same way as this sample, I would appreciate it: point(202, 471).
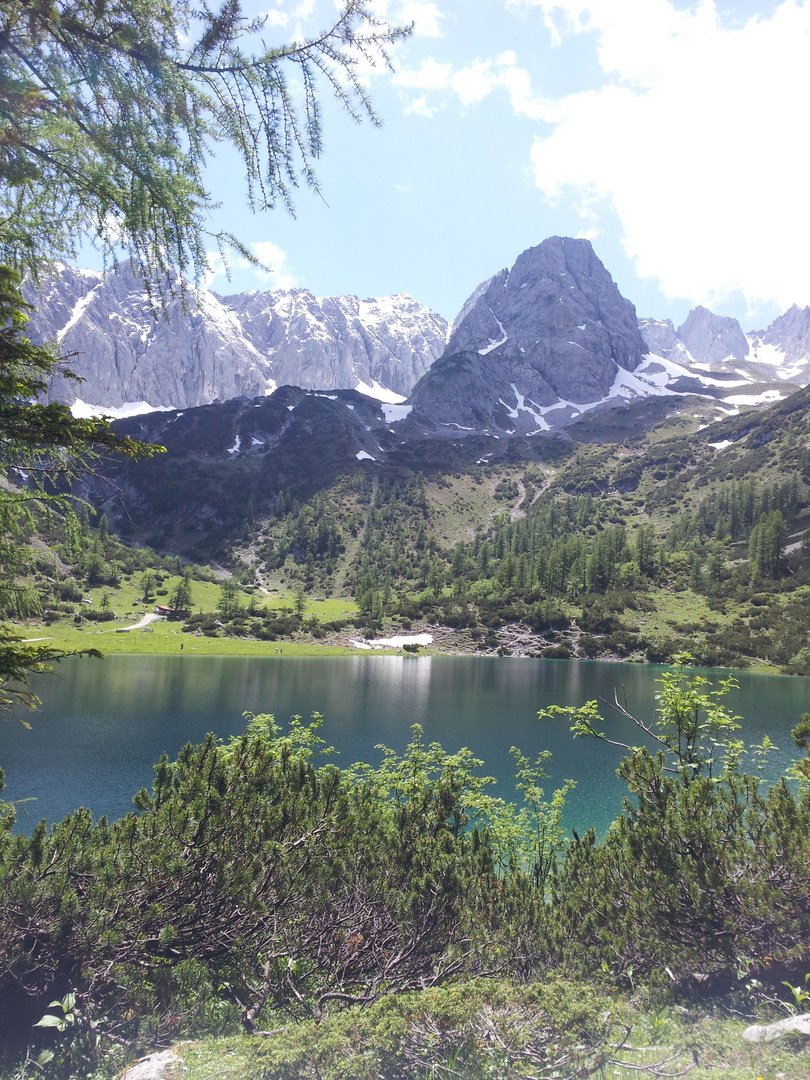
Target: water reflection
point(104, 724)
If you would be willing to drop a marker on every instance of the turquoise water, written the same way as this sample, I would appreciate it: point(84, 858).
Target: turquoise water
point(103, 724)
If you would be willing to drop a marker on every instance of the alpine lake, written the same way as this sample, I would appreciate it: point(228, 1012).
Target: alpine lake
point(104, 724)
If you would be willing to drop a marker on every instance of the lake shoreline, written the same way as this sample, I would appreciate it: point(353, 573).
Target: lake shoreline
point(162, 638)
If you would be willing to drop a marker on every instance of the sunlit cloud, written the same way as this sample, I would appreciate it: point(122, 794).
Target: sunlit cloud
point(419, 107)
point(276, 18)
point(274, 275)
point(425, 15)
point(469, 85)
point(693, 141)
point(426, 18)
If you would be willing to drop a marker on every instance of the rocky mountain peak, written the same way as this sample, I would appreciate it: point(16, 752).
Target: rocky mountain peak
point(790, 333)
point(546, 337)
point(711, 338)
point(558, 298)
point(227, 347)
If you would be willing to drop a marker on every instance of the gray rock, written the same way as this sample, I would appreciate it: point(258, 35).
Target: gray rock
point(712, 338)
point(660, 338)
point(769, 1032)
point(162, 1065)
point(334, 342)
point(239, 346)
point(789, 334)
point(553, 330)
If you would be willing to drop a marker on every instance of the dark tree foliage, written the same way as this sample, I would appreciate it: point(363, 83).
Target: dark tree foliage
point(41, 446)
point(289, 884)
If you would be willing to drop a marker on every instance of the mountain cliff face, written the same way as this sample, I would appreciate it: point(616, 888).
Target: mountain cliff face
point(710, 343)
point(238, 346)
point(710, 338)
point(789, 335)
point(535, 345)
point(340, 341)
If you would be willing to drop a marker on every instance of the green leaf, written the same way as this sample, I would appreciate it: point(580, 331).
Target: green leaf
point(51, 1021)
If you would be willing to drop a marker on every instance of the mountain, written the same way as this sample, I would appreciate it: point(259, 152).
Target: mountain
point(711, 338)
point(549, 347)
point(552, 487)
point(226, 347)
point(539, 545)
point(757, 368)
point(338, 342)
point(543, 358)
point(537, 346)
point(786, 343)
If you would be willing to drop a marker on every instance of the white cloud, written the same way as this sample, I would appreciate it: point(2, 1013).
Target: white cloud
point(471, 84)
point(517, 83)
point(276, 276)
point(695, 142)
point(419, 107)
point(430, 76)
point(274, 259)
point(280, 12)
point(276, 18)
point(424, 16)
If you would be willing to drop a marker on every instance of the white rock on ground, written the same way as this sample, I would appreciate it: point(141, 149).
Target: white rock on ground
point(157, 1066)
point(768, 1032)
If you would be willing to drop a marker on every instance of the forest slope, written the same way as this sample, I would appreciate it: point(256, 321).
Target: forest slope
point(676, 538)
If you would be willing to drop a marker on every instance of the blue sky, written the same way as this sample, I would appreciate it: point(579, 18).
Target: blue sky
point(671, 134)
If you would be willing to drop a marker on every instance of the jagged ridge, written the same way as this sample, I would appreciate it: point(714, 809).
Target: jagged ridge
point(226, 347)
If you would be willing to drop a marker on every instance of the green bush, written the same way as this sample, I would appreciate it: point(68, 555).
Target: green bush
point(291, 885)
point(253, 883)
point(702, 867)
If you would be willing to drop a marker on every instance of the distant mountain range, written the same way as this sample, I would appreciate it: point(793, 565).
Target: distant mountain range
point(227, 347)
point(534, 349)
point(776, 360)
point(541, 355)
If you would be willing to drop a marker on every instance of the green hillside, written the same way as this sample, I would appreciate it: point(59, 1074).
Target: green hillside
point(678, 539)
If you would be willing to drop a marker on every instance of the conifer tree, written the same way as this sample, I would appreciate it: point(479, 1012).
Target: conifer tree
point(39, 445)
point(110, 110)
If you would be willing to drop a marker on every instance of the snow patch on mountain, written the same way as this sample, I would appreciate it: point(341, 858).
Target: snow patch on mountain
point(394, 412)
point(767, 397)
point(379, 393)
point(493, 342)
point(84, 411)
